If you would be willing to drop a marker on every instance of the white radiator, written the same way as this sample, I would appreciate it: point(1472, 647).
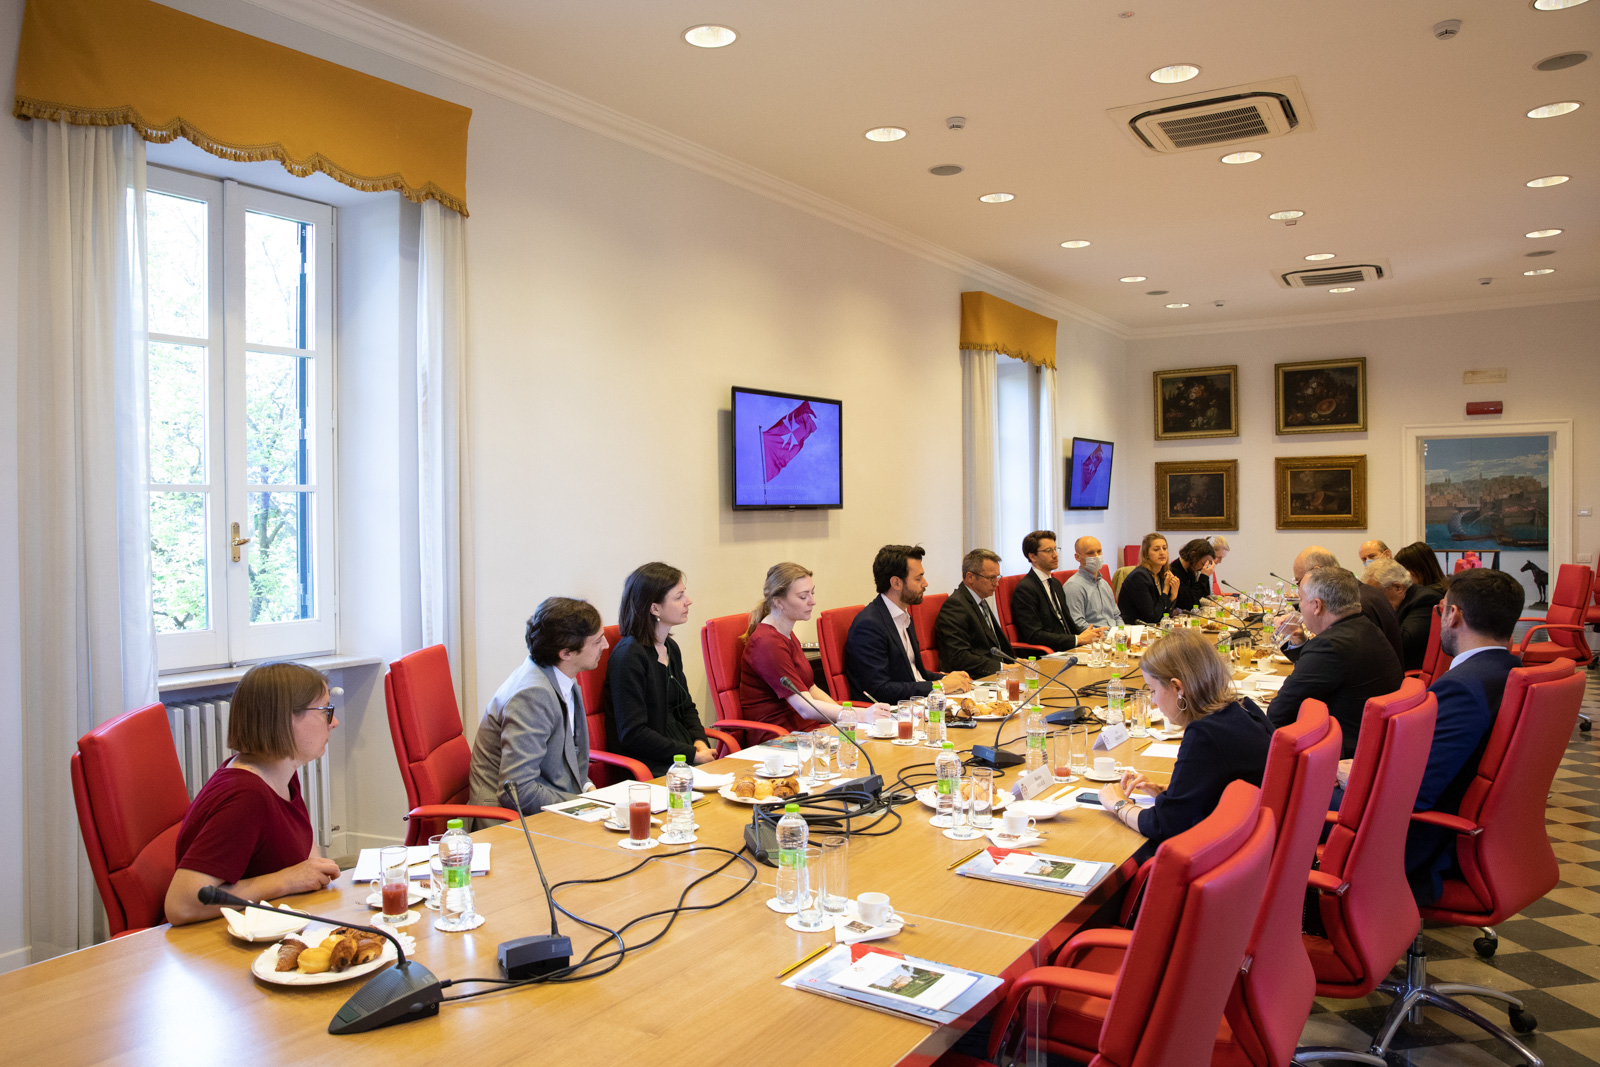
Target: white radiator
point(200, 734)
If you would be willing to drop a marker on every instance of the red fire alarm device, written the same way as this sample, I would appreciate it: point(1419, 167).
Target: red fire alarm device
point(1485, 407)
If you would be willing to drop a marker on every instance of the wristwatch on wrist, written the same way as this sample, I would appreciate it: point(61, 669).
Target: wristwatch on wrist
point(1117, 808)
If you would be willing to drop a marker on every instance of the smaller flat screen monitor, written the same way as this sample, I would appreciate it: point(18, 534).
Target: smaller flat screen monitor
point(786, 450)
point(1089, 474)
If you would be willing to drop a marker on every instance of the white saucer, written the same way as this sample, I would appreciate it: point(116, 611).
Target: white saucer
point(793, 923)
point(971, 835)
point(1116, 776)
point(405, 920)
point(908, 742)
point(782, 909)
point(787, 773)
point(640, 846)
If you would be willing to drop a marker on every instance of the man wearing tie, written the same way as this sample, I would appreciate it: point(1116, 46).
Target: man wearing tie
point(1039, 603)
point(967, 627)
point(535, 731)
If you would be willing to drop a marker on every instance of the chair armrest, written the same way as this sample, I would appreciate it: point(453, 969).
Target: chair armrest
point(1448, 822)
point(1135, 887)
point(1546, 626)
point(461, 811)
point(1414, 674)
point(1100, 937)
point(1018, 646)
point(640, 772)
point(726, 742)
point(1330, 817)
point(750, 724)
point(1326, 883)
point(1064, 979)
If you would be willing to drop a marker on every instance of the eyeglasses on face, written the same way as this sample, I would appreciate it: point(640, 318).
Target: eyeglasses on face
point(327, 712)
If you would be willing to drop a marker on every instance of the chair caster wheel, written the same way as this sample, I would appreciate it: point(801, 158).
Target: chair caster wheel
point(1485, 947)
point(1585, 726)
point(1523, 1022)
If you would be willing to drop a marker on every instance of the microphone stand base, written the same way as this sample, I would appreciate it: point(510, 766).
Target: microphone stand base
point(529, 957)
point(995, 757)
point(404, 992)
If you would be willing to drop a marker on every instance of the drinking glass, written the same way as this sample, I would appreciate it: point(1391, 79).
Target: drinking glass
point(1078, 757)
point(835, 873)
point(638, 813)
point(811, 888)
point(822, 765)
point(905, 723)
point(435, 872)
point(981, 797)
point(1061, 755)
point(1141, 713)
point(961, 817)
point(394, 880)
point(804, 750)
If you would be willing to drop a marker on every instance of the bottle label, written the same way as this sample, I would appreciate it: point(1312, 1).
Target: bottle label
point(946, 786)
point(848, 734)
point(936, 715)
point(1036, 741)
point(675, 800)
point(788, 857)
point(457, 877)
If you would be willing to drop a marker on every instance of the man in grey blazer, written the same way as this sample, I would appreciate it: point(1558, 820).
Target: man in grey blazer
point(535, 731)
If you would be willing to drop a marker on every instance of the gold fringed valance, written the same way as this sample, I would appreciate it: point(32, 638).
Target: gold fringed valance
point(169, 75)
point(994, 325)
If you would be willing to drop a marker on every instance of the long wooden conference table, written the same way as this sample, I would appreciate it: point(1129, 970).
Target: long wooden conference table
point(708, 992)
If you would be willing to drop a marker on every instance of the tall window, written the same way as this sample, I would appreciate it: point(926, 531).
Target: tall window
point(1017, 457)
point(241, 465)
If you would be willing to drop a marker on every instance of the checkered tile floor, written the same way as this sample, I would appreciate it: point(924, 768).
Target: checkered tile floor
point(1549, 955)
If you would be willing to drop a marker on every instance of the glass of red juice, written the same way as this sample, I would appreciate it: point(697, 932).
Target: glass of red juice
point(394, 881)
point(905, 727)
point(638, 813)
point(1013, 688)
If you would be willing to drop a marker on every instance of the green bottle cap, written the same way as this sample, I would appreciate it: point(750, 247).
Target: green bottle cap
point(453, 824)
point(791, 809)
point(950, 745)
point(679, 759)
point(846, 704)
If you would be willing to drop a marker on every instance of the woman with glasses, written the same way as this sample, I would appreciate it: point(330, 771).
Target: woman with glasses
point(649, 712)
point(248, 830)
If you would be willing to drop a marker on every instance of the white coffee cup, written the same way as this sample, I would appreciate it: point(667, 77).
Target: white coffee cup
point(874, 909)
point(883, 728)
point(1016, 824)
point(1105, 766)
point(773, 764)
point(619, 813)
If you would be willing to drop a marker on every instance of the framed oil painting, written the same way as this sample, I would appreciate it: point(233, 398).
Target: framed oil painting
point(1321, 492)
point(1089, 474)
point(1197, 402)
point(1322, 396)
point(1198, 495)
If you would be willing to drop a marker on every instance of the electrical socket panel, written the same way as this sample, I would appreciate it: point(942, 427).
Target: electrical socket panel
point(1583, 557)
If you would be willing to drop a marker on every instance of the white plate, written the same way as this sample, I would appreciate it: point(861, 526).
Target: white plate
point(927, 796)
point(623, 828)
point(727, 793)
point(1038, 809)
point(787, 772)
point(263, 966)
point(1116, 776)
point(376, 899)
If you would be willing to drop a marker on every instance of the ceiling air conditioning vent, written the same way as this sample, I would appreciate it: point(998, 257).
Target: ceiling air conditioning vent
point(1231, 116)
point(1348, 274)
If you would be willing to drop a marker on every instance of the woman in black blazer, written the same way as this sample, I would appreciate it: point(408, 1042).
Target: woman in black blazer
point(649, 712)
point(1224, 739)
point(1148, 590)
point(1193, 571)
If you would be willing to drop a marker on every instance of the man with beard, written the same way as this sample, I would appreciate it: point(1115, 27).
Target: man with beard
point(881, 654)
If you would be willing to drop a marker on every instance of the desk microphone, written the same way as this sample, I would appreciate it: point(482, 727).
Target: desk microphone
point(529, 957)
point(1246, 596)
point(406, 991)
point(1284, 580)
point(994, 755)
point(872, 783)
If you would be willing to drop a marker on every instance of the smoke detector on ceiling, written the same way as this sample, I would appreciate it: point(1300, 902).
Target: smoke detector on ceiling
point(1330, 274)
point(1235, 115)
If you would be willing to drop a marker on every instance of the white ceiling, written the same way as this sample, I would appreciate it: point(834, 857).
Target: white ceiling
point(1416, 155)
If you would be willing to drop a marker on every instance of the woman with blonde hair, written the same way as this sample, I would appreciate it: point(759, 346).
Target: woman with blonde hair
point(1148, 592)
point(1225, 738)
point(772, 653)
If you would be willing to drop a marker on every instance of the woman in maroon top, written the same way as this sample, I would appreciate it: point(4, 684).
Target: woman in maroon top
point(772, 652)
point(247, 829)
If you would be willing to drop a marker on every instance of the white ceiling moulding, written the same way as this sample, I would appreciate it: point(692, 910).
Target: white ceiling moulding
point(393, 38)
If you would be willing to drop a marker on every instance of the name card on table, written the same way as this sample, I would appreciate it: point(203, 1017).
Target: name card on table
point(1110, 737)
point(1034, 782)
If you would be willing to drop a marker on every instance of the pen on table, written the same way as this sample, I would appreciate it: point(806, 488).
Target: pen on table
point(801, 962)
point(965, 858)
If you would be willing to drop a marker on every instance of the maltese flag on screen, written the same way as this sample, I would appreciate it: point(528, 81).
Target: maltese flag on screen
point(782, 441)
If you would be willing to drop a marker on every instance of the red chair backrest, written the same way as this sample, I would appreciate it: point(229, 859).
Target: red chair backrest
point(722, 648)
point(129, 791)
point(425, 725)
point(1130, 555)
point(1510, 864)
point(593, 686)
point(1373, 921)
point(1002, 600)
point(1216, 586)
point(1270, 1001)
point(1204, 892)
point(1568, 603)
point(923, 618)
point(833, 626)
point(1434, 661)
point(1062, 576)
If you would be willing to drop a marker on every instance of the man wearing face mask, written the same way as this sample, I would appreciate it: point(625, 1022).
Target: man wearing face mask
point(1090, 600)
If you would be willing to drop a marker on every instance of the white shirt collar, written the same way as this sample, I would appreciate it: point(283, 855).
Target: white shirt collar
point(1462, 657)
point(896, 612)
point(565, 686)
point(972, 594)
point(1044, 576)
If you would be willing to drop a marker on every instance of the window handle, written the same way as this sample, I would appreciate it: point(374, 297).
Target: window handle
point(236, 542)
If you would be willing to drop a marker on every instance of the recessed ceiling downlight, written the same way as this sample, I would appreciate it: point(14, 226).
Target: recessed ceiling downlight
point(884, 133)
point(945, 170)
point(1541, 233)
point(1541, 252)
point(997, 198)
point(1556, 5)
point(1561, 61)
point(1176, 306)
point(1241, 157)
point(710, 36)
point(1550, 111)
point(1074, 244)
point(1549, 180)
point(1134, 278)
point(1318, 257)
point(1342, 289)
point(1178, 72)
point(1285, 216)
point(1157, 292)
point(1541, 270)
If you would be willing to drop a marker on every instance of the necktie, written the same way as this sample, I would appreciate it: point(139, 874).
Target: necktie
point(1055, 595)
point(988, 617)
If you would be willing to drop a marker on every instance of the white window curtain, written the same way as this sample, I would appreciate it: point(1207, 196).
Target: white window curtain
point(88, 639)
point(1047, 492)
point(979, 455)
point(442, 483)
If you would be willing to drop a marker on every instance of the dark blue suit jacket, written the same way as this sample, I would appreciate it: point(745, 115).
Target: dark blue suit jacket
point(874, 659)
point(1469, 698)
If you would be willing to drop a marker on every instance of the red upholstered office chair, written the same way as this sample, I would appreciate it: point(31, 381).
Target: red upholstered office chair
point(1267, 1009)
point(1062, 576)
point(605, 767)
point(1504, 854)
point(1002, 599)
point(1181, 958)
point(833, 626)
point(131, 800)
point(1363, 899)
point(923, 617)
point(1434, 661)
point(1563, 620)
point(722, 648)
point(1130, 555)
point(435, 759)
point(1216, 586)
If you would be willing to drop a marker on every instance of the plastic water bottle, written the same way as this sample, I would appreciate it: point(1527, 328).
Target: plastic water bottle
point(1282, 599)
point(1166, 621)
point(455, 903)
point(680, 801)
point(1037, 739)
point(1116, 694)
point(1119, 644)
point(1261, 592)
point(948, 766)
point(792, 837)
point(936, 731)
point(847, 734)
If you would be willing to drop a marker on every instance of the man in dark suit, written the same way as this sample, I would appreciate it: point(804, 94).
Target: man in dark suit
point(967, 626)
point(1039, 603)
point(1374, 605)
point(1475, 623)
point(881, 653)
point(1346, 661)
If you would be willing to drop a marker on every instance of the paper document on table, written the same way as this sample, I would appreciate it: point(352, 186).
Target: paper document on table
point(417, 857)
point(819, 977)
point(1036, 870)
point(919, 983)
point(1271, 682)
point(1164, 751)
point(759, 754)
point(706, 782)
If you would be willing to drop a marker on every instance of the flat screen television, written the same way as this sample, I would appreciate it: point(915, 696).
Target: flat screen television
point(1089, 475)
point(786, 450)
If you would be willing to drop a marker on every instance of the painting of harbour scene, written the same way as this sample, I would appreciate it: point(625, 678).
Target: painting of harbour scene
point(1487, 492)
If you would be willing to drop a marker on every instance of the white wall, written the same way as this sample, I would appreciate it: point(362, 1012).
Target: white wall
point(1414, 369)
point(1092, 377)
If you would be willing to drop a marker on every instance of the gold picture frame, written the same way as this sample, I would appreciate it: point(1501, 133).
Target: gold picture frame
point(1196, 402)
point(1198, 495)
point(1321, 492)
point(1321, 396)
